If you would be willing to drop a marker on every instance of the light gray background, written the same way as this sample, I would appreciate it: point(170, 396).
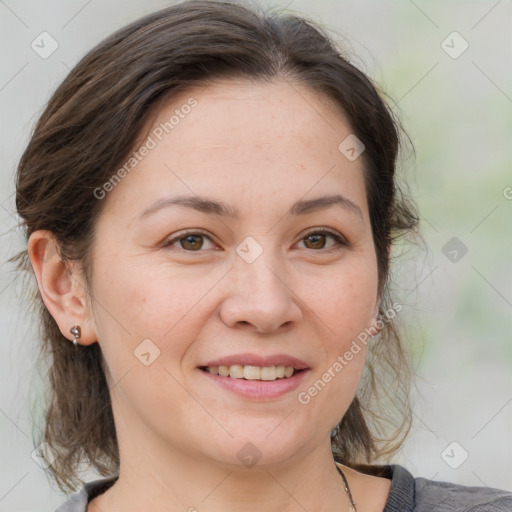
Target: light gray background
point(458, 314)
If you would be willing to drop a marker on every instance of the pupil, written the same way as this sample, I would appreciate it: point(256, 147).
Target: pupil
point(190, 239)
point(315, 238)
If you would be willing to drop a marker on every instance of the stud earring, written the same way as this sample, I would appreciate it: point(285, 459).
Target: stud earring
point(76, 332)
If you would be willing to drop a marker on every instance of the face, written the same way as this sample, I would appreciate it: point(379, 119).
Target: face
point(248, 268)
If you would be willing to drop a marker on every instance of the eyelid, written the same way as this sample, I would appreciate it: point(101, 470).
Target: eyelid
point(324, 231)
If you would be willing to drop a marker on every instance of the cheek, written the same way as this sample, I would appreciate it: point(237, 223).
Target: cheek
point(139, 302)
point(342, 304)
point(343, 299)
point(342, 308)
point(144, 331)
point(129, 293)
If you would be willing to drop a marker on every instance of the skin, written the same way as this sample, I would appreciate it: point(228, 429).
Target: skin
point(258, 148)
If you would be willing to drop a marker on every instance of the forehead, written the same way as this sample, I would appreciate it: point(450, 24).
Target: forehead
point(267, 110)
point(241, 139)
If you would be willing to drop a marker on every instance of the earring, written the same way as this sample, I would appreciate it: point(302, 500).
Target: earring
point(76, 332)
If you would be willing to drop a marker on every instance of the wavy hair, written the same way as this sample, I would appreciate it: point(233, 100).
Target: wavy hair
point(90, 125)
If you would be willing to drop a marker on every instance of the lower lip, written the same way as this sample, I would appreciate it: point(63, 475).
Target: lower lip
point(257, 389)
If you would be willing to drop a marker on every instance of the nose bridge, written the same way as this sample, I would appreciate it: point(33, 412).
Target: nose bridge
point(260, 295)
point(259, 270)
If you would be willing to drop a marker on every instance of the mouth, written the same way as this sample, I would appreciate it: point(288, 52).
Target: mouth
point(249, 372)
point(255, 377)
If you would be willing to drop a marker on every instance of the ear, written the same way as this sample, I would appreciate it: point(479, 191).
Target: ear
point(61, 287)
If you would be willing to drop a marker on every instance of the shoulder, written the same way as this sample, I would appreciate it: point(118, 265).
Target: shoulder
point(418, 494)
point(78, 502)
point(442, 496)
point(75, 503)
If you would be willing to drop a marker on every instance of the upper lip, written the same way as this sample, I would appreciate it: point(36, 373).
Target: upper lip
point(257, 360)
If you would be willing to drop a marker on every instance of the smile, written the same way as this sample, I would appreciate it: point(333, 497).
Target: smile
point(249, 372)
point(255, 387)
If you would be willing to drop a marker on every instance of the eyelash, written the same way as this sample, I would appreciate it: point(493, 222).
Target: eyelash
point(340, 241)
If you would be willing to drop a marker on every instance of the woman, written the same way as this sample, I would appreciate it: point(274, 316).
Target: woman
point(210, 203)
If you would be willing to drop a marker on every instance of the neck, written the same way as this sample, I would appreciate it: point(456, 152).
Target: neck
point(158, 478)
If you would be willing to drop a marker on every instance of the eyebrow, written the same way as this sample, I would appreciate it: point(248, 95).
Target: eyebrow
point(212, 207)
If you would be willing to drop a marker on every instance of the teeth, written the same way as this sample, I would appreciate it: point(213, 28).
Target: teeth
point(269, 373)
point(224, 371)
point(237, 371)
point(252, 372)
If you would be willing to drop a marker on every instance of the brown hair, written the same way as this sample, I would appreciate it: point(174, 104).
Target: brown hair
point(89, 126)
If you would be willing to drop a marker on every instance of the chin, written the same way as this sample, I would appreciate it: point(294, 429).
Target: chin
point(254, 449)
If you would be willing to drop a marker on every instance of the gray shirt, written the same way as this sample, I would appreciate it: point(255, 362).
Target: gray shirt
point(407, 494)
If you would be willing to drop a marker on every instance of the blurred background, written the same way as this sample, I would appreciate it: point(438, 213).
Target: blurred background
point(447, 68)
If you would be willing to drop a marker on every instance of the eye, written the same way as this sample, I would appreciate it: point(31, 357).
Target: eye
point(193, 241)
point(317, 240)
point(190, 241)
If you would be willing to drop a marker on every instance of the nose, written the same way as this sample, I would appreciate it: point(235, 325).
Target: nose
point(260, 299)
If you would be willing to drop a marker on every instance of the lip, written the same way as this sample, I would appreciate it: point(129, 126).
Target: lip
point(248, 359)
point(257, 389)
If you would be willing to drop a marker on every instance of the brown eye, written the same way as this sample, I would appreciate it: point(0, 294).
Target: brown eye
point(190, 242)
point(317, 240)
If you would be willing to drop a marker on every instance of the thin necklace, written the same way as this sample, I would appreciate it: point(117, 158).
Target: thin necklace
point(347, 490)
